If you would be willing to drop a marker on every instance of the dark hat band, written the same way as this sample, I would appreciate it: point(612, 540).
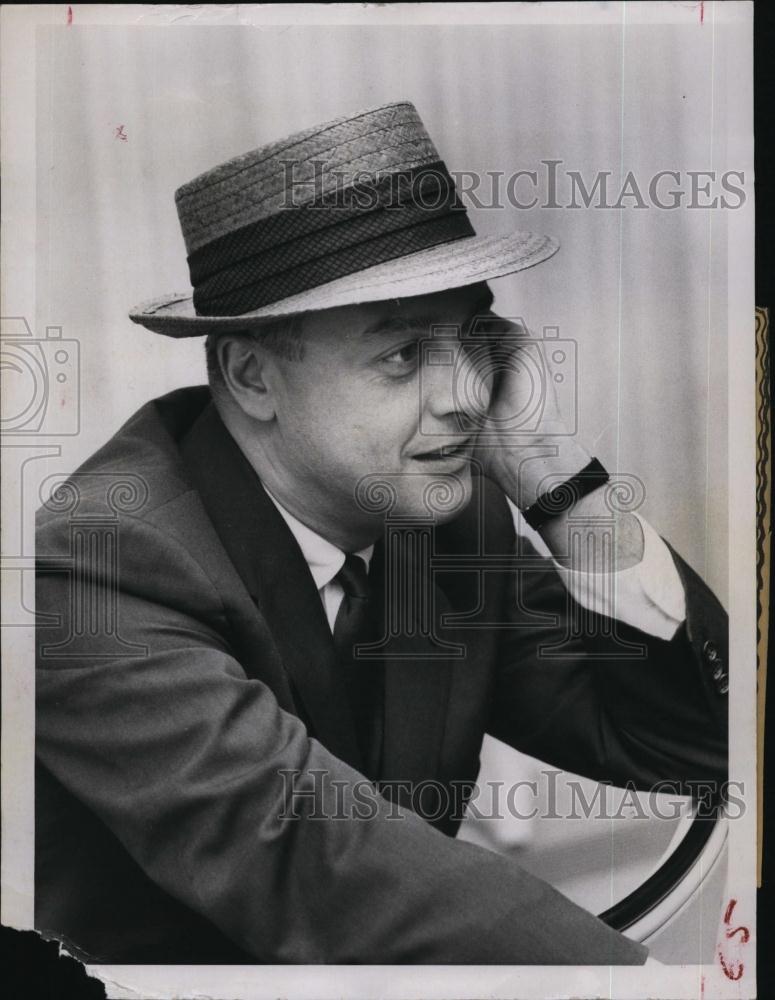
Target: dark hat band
point(301, 247)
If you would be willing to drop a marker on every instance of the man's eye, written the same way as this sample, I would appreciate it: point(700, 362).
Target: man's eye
point(403, 358)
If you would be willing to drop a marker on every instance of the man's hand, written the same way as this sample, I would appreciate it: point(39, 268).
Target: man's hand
point(525, 446)
point(524, 437)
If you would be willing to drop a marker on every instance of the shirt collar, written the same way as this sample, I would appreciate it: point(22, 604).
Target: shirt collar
point(323, 558)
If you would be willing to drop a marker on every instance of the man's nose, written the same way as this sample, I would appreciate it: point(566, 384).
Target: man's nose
point(456, 381)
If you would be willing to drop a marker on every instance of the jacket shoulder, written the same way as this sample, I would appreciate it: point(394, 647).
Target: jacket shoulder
point(130, 513)
point(137, 471)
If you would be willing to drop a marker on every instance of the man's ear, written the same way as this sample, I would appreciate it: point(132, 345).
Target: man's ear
point(247, 373)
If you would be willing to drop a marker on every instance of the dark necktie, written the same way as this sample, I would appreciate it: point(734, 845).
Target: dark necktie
point(355, 625)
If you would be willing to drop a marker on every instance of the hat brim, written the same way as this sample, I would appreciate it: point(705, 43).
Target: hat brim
point(449, 265)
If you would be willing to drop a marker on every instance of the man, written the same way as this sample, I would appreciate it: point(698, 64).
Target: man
point(260, 596)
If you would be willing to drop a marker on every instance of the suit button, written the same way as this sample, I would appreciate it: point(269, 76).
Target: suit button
point(724, 686)
point(718, 673)
point(710, 651)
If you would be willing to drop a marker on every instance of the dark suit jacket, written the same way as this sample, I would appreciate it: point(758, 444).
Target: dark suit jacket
point(186, 671)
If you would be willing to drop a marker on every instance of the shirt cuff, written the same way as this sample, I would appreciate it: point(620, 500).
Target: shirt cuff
point(648, 596)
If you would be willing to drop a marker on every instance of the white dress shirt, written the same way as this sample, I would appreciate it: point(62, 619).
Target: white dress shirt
point(649, 596)
point(324, 560)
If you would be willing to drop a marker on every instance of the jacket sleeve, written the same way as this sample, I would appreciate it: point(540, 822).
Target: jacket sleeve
point(605, 700)
point(153, 724)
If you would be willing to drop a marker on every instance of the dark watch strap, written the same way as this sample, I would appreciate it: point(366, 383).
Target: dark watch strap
point(563, 496)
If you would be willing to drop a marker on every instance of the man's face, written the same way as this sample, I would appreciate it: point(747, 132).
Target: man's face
point(365, 404)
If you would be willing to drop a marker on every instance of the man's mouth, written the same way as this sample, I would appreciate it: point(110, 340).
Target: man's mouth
point(451, 450)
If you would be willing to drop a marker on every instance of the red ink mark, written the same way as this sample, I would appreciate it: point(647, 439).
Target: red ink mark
point(69, 15)
point(733, 971)
point(702, 987)
point(119, 133)
point(738, 930)
point(702, 11)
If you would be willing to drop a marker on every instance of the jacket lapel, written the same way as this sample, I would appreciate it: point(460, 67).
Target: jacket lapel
point(418, 661)
point(270, 563)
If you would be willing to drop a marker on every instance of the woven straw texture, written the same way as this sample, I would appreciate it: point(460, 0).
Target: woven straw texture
point(300, 168)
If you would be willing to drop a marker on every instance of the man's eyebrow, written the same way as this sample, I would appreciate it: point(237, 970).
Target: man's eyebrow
point(403, 324)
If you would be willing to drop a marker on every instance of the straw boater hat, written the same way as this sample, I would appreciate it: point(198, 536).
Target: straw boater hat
point(358, 209)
